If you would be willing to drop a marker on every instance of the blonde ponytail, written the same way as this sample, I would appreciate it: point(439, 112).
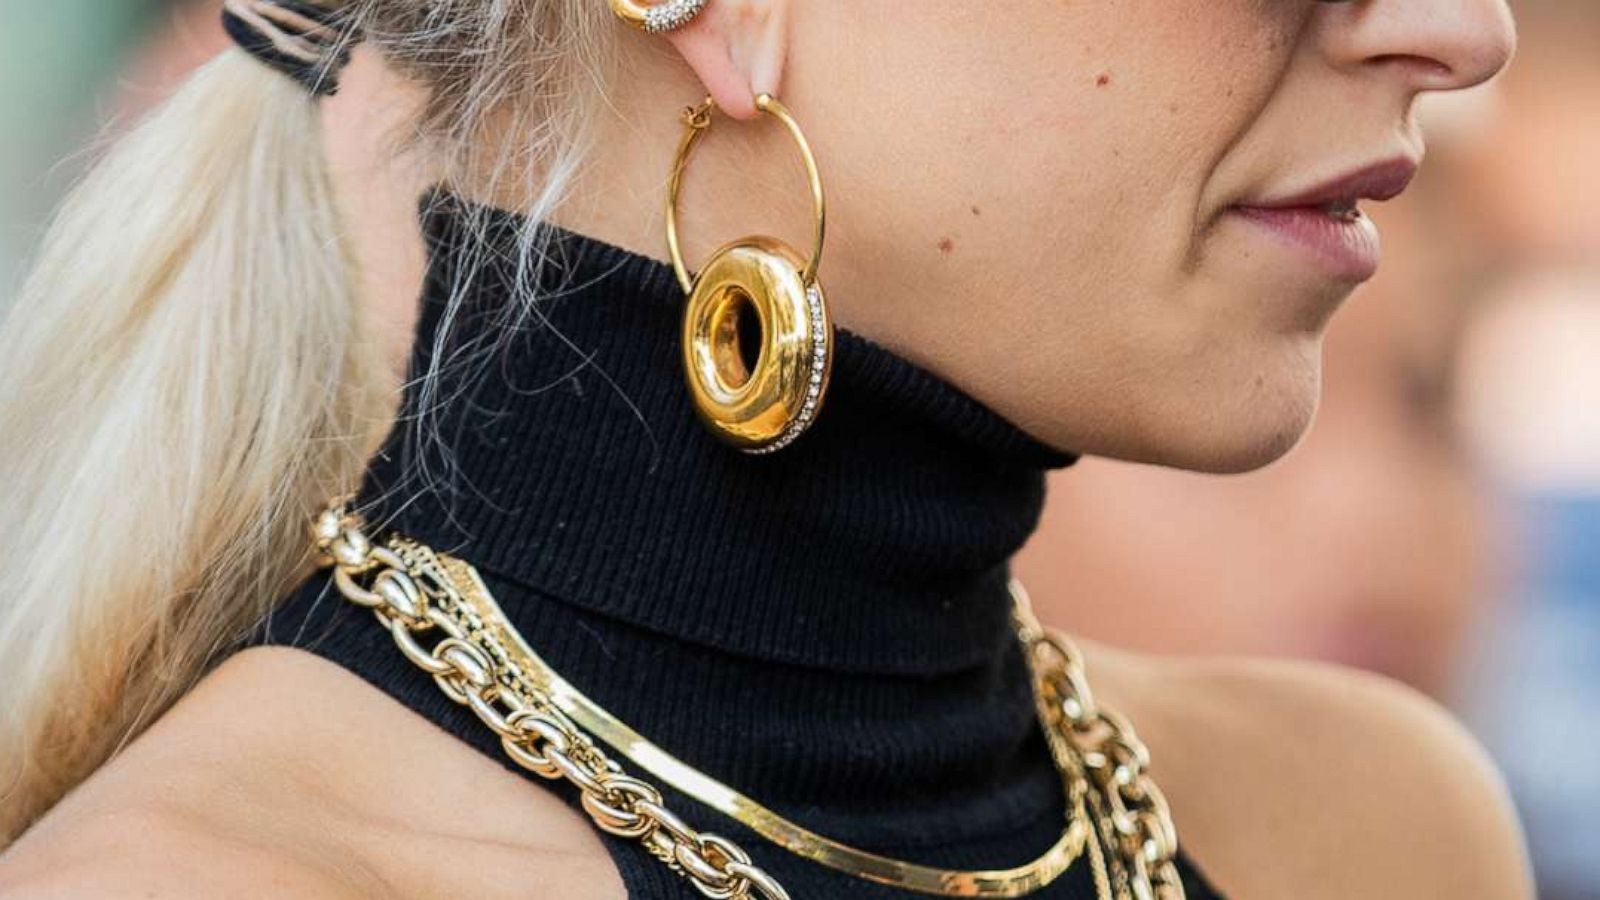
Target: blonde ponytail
point(183, 380)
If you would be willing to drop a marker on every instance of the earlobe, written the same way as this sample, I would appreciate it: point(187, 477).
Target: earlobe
point(737, 48)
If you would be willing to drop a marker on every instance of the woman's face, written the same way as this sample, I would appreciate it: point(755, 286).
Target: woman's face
point(1121, 223)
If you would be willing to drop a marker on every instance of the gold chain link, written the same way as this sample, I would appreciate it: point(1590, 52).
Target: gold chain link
point(412, 593)
point(537, 735)
point(1131, 812)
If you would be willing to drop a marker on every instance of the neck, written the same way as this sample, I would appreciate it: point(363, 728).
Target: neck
point(570, 462)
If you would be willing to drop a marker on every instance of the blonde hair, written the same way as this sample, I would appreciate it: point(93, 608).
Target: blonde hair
point(187, 379)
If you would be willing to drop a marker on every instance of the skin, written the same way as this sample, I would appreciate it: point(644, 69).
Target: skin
point(1358, 788)
point(1408, 553)
point(1077, 190)
point(1051, 232)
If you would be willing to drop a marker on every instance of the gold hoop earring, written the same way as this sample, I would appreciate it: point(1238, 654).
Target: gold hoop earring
point(659, 18)
point(760, 402)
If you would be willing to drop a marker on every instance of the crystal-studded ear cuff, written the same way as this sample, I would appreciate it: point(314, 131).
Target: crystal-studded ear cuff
point(659, 18)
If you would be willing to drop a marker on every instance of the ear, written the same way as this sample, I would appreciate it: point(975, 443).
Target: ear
point(737, 49)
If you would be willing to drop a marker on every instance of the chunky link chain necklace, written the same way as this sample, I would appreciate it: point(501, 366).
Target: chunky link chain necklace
point(444, 620)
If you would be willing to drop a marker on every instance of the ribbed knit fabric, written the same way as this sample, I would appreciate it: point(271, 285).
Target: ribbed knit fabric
point(826, 629)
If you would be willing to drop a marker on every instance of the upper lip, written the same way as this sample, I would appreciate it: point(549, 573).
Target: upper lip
point(1379, 181)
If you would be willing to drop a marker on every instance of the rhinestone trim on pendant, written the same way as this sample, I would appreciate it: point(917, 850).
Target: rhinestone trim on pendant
point(819, 372)
point(672, 15)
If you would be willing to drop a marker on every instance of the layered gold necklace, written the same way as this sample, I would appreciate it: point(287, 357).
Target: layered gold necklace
point(445, 621)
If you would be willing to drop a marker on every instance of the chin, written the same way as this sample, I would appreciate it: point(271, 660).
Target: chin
point(1245, 449)
point(1229, 418)
point(1240, 430)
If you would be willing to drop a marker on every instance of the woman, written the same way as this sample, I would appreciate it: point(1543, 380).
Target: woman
point(716, 595)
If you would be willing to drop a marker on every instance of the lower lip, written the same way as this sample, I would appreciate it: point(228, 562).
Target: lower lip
point(1347, 248)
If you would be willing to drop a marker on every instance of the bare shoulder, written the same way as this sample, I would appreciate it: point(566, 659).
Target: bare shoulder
point(1305, 780)
point(284, 775)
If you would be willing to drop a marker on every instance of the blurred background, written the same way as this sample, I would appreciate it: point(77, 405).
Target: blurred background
point(1441, 522)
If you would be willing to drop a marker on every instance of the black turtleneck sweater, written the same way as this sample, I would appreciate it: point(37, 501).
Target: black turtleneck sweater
point(825, 629)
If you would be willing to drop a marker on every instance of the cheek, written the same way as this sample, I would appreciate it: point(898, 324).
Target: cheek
point(1090, 152)
point(1042, 114)
point(1034, 173)
point(1098, 175)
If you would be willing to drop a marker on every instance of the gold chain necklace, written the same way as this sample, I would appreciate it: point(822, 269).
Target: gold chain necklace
point(1116, 815)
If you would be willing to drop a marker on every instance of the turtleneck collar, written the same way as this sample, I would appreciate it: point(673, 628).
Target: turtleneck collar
point(563, 454)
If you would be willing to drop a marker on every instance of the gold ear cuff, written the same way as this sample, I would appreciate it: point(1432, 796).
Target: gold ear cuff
point(659, 18)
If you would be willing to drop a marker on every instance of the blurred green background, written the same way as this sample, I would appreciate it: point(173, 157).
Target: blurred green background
point(56, 59)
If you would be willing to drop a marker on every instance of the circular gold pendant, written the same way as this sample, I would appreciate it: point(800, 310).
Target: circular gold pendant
point(763, 395)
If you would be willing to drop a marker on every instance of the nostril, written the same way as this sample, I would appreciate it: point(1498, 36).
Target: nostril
point(1438, 73)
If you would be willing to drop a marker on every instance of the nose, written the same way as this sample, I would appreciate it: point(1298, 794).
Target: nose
point(1435, 45)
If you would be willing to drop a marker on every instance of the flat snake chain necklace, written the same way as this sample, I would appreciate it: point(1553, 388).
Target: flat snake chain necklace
point(1117, 818)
